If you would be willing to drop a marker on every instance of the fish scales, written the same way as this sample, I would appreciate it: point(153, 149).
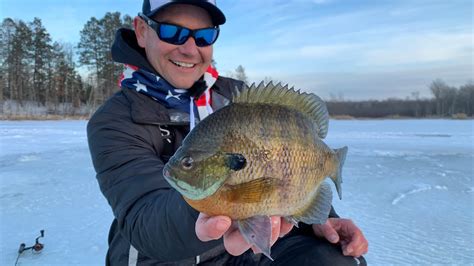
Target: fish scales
point(279, 143)
point(262, 155)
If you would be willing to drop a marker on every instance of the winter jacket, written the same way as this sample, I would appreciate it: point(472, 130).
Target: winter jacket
point(130, 138)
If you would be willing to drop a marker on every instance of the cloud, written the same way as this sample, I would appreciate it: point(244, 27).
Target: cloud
point(422, 48)
point(374, 84)
point(319, 2)
point(320, 51)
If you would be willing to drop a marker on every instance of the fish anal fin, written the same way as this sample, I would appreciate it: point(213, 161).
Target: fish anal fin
point(257, 230)
point(253, 191)
point(318, 210)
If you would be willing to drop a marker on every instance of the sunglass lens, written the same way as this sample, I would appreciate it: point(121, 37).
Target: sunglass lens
point(206, 37)
point(173, 34)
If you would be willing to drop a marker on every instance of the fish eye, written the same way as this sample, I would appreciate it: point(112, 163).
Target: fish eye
point(187, 163)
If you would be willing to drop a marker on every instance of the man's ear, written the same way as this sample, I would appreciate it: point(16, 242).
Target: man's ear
point(140, 27)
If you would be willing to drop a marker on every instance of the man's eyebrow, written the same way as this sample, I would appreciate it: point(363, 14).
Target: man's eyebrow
point(157, 19)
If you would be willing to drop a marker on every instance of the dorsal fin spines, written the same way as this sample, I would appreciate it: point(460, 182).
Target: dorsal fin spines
point(306, 103)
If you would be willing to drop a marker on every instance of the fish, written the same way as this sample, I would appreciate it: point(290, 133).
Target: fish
point(261, 155)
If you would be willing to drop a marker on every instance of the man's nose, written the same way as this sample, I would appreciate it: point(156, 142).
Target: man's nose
point(189, 47)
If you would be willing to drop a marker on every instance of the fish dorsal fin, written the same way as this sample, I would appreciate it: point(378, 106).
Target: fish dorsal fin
point(306, 103)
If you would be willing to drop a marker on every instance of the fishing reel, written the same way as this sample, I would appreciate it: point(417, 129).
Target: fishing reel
point(37, 247)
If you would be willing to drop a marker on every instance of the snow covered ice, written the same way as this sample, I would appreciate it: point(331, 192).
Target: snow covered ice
point(407, 183)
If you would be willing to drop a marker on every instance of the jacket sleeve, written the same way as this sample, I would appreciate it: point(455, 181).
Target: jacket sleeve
point(150, 214)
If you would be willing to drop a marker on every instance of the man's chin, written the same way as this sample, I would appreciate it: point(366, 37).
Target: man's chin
point(184, 85)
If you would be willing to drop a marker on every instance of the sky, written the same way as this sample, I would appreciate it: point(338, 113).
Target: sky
point(348, 49)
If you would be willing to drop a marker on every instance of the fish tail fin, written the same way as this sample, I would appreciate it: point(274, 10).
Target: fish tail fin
point(337, 176)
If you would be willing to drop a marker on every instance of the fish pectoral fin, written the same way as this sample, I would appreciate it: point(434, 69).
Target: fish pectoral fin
point(257, 230)
point(250, 192)
point(235, 161)
point(318, 210)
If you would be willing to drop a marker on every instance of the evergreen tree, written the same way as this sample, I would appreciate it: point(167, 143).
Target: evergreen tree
point(97, 37)
point(41, 50)
point(7, 31)
point(240, 74)
point(21, 58)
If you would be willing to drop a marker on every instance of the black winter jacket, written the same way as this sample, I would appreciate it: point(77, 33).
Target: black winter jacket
point(128, 152)
point(130, 138)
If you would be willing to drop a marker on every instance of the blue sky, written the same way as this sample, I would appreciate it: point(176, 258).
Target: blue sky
point(335, 48)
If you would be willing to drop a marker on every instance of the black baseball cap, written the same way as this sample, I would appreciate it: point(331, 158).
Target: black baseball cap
point(151, 7)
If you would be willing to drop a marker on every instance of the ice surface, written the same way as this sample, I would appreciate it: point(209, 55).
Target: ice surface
point(407, 183)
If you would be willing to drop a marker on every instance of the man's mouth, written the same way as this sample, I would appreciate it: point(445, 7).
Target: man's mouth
point(182, 64)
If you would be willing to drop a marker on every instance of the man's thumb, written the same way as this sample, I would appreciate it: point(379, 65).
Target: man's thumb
point(211, 228)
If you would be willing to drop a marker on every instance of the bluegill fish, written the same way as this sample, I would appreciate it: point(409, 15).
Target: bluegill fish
point(262, 155)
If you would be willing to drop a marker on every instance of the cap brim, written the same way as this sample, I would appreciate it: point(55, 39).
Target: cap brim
point(218, 18)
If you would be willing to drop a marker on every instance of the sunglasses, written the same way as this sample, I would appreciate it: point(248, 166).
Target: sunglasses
point(178, 35)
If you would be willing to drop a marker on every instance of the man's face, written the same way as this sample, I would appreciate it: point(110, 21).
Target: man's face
point(180, 65)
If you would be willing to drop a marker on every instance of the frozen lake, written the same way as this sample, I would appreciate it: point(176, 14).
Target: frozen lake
point(407, 183)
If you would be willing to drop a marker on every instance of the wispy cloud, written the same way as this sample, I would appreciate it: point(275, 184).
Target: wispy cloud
point(420, 49)
point(382, 84)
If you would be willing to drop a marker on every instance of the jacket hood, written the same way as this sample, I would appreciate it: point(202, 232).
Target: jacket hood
point(126, 50)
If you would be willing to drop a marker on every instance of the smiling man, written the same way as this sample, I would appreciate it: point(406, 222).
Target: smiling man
point(168, 86)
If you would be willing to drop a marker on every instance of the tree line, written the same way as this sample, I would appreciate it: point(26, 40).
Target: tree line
point(447, 101)
point(43, 76)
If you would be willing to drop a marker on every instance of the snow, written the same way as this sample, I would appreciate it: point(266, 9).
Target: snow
point(407, 183)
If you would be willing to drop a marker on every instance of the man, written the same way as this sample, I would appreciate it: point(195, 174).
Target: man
point(168, 86)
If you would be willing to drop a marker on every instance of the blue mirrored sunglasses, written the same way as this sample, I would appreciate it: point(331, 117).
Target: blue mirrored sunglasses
point(177, 35)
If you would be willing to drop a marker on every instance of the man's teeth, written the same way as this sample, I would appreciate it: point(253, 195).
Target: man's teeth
point(182, 64)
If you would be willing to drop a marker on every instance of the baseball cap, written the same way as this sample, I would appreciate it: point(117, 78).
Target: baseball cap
point(151, 7)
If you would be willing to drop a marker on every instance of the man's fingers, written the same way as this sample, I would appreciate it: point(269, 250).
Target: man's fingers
point(357, 246)
point(285, 227)
point(276, 222)
point(327, 231)
point(234, 242)
point(211, 228)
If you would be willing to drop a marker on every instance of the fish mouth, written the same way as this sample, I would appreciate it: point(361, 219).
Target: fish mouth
point(166, 173)
point(182, 187)
point(188, 190)
point(173, 181)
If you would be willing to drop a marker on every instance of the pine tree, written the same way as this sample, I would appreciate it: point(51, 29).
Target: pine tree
point(97, 37)
point(240, 74)
point(7, 31)
point(21, 58)
point(41, 50)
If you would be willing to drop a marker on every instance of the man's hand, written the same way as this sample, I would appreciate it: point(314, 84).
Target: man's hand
point(214, 227)
point(336, 230)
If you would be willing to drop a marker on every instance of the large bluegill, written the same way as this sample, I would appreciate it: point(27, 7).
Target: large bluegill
point(262, 155)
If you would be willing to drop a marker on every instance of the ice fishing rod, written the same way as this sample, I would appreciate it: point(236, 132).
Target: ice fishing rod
point(36, 248)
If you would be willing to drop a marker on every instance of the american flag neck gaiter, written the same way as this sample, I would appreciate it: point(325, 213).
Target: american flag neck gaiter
point(172, 98)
